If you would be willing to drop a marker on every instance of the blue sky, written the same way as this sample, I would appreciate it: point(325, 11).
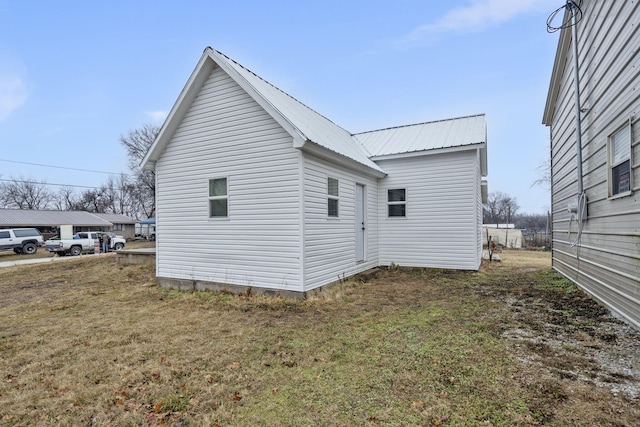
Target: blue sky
point(76, 75)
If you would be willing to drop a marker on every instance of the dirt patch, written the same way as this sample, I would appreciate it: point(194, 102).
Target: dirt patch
point(560, 329)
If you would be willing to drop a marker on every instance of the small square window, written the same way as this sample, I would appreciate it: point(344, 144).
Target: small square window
point(218, 199)
point(332, 197)
point(396, 200)
point(620, 161)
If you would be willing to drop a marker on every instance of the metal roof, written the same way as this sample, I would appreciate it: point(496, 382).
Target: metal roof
point(115, 218)
point(314, 132)
point(310, 124)
point(435, 135)
point(23, 217)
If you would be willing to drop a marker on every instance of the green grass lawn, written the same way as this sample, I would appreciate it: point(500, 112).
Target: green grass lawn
point(93, 342)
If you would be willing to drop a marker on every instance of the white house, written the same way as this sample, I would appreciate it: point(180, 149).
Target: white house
point(592, 110)
point(255, 189)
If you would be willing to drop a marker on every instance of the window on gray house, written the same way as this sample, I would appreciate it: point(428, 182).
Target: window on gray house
point(332, 197)
point(218, 198)
point(397, 202)
point(620, 161)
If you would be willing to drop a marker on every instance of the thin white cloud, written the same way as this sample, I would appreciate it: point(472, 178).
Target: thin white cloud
point(13, 94)
point(156, 116)
point(52, 131)
point(477, 16)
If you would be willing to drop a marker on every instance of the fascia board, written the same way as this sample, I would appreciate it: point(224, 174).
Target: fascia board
point(557, 72)
point(336, 158)
point(298, 136)
point(430, 152)
point(179, 109)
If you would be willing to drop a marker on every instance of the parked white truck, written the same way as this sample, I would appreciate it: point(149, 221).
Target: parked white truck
point(83, 242)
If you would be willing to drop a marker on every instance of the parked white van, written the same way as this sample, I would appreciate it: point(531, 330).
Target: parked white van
point(21, 240)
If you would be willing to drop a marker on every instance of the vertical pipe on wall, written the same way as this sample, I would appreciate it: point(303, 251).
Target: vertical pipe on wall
point(576, 90)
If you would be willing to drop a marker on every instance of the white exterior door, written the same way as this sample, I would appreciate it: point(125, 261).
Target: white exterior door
point(360, 222)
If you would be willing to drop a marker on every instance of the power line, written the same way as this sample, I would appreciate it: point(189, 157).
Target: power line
point(62, 167)
point(573, 8)
point(47, 183)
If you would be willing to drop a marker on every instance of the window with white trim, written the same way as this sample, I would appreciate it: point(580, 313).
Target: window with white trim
point(397, 202)
point(332, 197)
point(218, 198)
point(620, 161)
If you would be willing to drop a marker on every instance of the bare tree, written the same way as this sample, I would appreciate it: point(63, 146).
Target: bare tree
point(119, 195)
point(26, 193)
point(137, 142)
point(65, 199)
point(544, 179)
point(500, 208)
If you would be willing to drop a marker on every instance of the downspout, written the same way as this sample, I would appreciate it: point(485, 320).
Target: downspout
point(580, 206)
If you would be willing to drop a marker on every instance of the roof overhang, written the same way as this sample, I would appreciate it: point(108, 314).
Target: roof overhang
point(557, 72)
point(333, 157)
point(179, 109)
point(481, 146)
point(208, 61)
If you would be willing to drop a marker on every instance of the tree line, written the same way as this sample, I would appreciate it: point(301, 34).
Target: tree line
point(133, 194)
point(502, 208)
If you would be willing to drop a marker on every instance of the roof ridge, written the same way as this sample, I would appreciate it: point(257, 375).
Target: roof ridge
point(420, 124)
point(283, 92)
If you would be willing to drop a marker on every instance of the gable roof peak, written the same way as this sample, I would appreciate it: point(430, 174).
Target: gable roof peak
point(302, 104)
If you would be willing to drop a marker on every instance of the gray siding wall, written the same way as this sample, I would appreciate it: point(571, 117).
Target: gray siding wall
point(330, 243)
point(227, 134)
point(442, 228)
point(606, 262)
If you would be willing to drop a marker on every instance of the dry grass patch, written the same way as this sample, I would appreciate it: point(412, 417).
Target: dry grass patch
point(94, 342)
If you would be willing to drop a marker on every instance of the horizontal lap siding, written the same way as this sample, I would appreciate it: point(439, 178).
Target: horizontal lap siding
point(606, 259)
point(226, 133)
point(330, 243)
point(441, 229)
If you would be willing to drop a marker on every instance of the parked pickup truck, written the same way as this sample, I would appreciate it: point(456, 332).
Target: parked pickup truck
point(83, 242)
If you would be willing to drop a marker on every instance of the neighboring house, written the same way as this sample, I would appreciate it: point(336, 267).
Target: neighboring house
point(255, 189)
point(595, 203)
point(122, 225)
point(49, 222)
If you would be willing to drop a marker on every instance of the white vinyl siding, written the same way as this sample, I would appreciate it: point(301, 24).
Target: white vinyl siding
point(330, 243)
point(441, 226)
point(225, 133)
point(606, 260)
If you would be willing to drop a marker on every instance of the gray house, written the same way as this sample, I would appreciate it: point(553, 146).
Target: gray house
point(255, 189)
point(592, 110)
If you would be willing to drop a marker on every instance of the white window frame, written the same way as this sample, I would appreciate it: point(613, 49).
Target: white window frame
point(624, 134)
point(397, 202)
point(217, 197)
point(333, 197)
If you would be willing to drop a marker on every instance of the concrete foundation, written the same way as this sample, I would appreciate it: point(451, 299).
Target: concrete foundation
point(145, 256)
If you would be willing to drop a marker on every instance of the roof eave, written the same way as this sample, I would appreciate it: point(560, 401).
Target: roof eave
point(337, 158)
point(431, 151)
point(179, 109)
point(557, 72)
point(298, 136)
